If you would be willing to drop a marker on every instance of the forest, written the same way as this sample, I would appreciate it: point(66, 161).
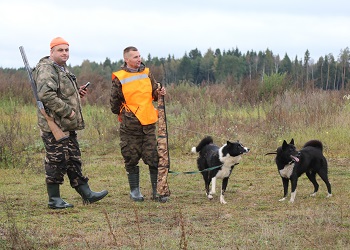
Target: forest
point(231, 67)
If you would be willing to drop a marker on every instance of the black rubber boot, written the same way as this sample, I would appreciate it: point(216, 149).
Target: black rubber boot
point(134, 182)
point(89, 196)
point(154, 180)
point(55, 201)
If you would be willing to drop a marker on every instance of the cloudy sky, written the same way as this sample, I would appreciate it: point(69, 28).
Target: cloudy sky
point(103, 28)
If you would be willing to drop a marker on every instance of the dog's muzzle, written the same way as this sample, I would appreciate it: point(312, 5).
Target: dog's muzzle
point(295, 158)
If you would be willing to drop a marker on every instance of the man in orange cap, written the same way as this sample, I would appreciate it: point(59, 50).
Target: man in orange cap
point(59, 92)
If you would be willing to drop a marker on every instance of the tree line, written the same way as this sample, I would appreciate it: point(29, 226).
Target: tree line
point(231, 67)
point(329, 72)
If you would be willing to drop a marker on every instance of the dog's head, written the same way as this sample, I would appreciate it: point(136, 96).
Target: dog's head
point(287, 153)
point(234, 149)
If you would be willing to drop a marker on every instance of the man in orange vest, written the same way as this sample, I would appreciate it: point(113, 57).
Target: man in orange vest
point(132, 94)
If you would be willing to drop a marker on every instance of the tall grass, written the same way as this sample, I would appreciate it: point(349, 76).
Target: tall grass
point(253, 217)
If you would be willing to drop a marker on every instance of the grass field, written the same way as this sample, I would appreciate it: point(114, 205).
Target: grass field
point(253, 218)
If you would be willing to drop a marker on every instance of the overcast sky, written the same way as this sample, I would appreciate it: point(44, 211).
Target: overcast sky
point(103, 28)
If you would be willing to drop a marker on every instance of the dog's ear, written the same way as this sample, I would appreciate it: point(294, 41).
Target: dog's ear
point(284, 144)
point(292, 141)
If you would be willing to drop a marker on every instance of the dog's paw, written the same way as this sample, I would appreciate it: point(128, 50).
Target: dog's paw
point(292, 196)
point(313, 194)
point(329, 195)
point(210, 197)
point(283, 199)
point(222, 200)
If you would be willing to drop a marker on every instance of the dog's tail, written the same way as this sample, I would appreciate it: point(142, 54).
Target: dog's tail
point(207, 140)
point(314, 143)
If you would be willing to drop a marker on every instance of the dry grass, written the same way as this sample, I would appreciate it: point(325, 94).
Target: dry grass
point(253, 217)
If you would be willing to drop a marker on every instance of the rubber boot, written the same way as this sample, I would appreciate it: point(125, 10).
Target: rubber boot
point(134, 182)
point(89, 196)
point(154, 179)
point(55, 201)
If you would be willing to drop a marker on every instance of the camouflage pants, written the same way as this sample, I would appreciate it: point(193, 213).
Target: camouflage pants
point(138, 142)
point(63, 158)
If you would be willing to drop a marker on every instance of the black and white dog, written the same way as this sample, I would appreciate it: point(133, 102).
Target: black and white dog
point(291, 164)
point(215, 162)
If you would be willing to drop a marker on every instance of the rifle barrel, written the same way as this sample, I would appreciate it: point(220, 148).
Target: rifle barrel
point(29, 70)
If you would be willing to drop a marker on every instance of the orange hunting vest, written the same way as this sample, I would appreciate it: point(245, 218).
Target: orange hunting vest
point(137, 91)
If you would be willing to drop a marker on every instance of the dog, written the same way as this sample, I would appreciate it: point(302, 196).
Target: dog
point(217, 163)
point(291, 164)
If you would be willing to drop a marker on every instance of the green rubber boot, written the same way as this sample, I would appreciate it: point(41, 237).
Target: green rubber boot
point(55, 200)
point(134, 183)
point(89, 196)
point(154, 179)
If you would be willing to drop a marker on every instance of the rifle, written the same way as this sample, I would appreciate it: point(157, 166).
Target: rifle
point(55, 129)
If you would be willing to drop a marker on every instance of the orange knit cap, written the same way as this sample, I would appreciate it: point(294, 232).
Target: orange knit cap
point(57, 41)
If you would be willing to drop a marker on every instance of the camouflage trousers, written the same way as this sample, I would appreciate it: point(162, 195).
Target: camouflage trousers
point(63, 158)
point(139, 142)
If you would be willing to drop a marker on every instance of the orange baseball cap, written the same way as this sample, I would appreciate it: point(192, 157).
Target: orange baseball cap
point(57, 41)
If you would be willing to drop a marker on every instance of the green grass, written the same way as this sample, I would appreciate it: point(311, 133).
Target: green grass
point(253, 218)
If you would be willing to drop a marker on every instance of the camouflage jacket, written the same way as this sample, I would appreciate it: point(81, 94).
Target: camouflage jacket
point(58, 90)
point(117, 97)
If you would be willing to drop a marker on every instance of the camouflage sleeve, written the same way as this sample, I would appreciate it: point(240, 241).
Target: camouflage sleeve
point(117, 97)
point(154, 86)
point(47, 87)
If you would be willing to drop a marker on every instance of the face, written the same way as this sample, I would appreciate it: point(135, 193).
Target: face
point(60, 54)
point(133, 59)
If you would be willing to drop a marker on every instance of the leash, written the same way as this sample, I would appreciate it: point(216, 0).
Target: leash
point(195, 172)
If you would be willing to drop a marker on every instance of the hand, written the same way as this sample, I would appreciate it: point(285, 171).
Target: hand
point(82, 92)
point(162, 91)
point(72, 114)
